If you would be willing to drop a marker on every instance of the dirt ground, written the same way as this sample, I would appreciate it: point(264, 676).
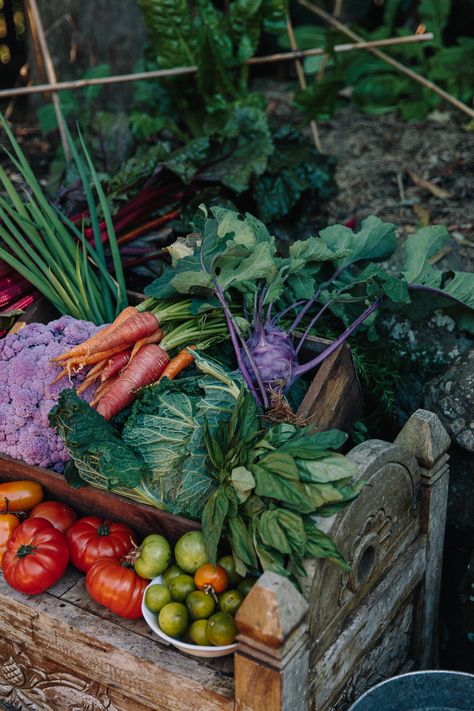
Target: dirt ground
point(406, 173)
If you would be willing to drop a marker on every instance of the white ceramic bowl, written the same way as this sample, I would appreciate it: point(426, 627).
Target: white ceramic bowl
point(152, 621)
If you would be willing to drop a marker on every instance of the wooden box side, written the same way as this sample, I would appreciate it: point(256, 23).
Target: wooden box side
point(91, 501)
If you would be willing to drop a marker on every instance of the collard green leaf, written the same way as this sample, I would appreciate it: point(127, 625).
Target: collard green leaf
point(213, 519)
point(97, 450)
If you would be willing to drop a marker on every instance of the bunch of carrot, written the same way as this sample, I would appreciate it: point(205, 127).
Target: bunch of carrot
point(123, 357)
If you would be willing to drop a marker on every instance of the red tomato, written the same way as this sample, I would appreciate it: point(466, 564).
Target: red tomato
point(212, 578)
point(36, 556)
point(91, 538)
point(117, 586)
point(60, 515)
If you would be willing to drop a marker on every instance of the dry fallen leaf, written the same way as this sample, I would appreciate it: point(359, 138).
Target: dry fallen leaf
point(422, 214)
point(428, 185)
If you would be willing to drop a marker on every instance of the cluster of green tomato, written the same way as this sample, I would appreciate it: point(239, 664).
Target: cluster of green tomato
point(197, 601)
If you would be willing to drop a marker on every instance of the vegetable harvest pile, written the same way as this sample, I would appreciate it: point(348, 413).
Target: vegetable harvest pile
point(187, 401)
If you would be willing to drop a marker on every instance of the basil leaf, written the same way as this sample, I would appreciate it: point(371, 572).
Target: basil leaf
point(319, 545)
point(241, 541)
point(212, 521)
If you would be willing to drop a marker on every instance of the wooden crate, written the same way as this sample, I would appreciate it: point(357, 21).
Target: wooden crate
point(60, 651)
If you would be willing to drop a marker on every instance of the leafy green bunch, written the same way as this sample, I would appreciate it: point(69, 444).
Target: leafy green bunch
point(218, 42)
point(376, 87)
point(271, 484)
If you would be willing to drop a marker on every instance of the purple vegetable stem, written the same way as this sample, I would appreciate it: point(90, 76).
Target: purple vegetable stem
point(309, 303)
point(311, 324)
point(235, 344)
point(301, 369)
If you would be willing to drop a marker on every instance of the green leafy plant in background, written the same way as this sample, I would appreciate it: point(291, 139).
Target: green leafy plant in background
point(376, 87)
point(50, 251)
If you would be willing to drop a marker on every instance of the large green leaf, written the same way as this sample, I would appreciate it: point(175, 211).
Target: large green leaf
point(419, 248)
point(170, 31)
point(376, 240)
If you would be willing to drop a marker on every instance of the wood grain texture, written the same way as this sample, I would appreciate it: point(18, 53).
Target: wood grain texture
point(110, 654)
point(89, 500)
point(334, 398)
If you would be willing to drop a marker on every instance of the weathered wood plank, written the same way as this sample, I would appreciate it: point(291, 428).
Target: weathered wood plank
point(107, 653)
point(332, 667)
point(334, 398)
point(89, 500)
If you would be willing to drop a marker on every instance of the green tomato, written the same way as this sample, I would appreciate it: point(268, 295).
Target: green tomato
point(200, 605)
point(190, 552)
point(173, 619)
point(230, 601)
point(154, 556)
point(181, 586)
point(171, 572)
point(156, 597)
point(246, 585)
point(198, 634)
point(227, 562)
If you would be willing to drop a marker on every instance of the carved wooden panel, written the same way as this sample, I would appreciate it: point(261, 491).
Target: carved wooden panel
point(29, 683)
point(387, 658)
point(378, 526)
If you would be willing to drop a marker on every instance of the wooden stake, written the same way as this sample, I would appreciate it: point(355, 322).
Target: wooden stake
point(389, 60)
point(302, 82)
point(36, 23)
point(181, 71)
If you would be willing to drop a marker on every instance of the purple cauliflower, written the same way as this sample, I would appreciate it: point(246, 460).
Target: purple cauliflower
point(26, 393)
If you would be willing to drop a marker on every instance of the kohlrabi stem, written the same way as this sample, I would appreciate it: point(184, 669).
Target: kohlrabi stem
point(309, 303)
point(302, 369)
point(234, 332)
point(311, 324)
point(280, 314)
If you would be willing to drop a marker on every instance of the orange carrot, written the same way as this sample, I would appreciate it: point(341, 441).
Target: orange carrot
point(178, 363)
point(154, 338)
point(80, 362)
point(132, 329)
point(99, 336)
point(115, 364)
point(146, 367)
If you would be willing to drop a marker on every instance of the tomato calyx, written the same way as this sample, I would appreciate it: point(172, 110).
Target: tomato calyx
point(103, 529)
point(209, 590)
point(24, 550)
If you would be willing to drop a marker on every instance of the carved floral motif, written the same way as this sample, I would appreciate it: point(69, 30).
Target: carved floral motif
point(25, 687)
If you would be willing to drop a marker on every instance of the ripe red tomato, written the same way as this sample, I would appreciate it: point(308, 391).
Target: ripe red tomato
point(91, 538)
point(208, 577)
point(117, 586)
point(60, 515)
point(36, 556)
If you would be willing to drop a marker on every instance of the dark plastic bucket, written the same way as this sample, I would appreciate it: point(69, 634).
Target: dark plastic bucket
point(420, 691)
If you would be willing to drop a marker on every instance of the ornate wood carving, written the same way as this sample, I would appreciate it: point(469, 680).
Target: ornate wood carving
point(385, 659)
point(24, 685)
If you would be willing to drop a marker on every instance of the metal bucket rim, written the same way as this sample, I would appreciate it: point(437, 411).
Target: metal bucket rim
point(422, 672)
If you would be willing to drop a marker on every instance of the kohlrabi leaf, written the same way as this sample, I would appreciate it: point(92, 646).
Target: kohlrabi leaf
point(419, 248)
point(375, 240)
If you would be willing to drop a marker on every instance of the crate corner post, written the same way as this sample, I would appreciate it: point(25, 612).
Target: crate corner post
point(272, 660)
point(425, 436)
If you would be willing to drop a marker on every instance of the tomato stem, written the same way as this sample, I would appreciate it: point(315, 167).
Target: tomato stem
point(25, 550)
point(103, 530)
